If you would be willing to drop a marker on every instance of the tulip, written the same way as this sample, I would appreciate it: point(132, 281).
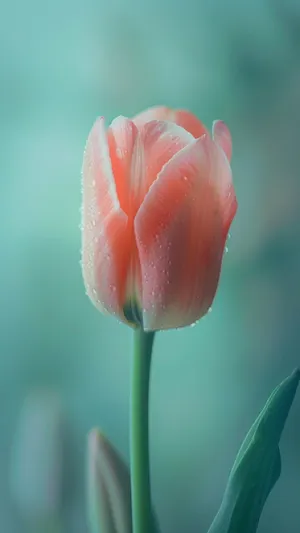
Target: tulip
point(158, 202)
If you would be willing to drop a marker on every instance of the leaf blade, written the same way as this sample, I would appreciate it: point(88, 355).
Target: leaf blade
point(257, 466)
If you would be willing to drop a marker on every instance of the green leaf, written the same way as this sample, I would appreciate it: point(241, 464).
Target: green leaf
point(257, 466)
point(109, 494)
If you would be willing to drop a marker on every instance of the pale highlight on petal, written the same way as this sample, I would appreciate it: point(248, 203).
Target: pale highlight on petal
point(105, 246)
point(179, 237)
point(182, 118)
point(122, 139)
point(221, 171)
point(222, 137)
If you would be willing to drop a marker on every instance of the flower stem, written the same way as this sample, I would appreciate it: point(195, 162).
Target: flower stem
point(139, 432)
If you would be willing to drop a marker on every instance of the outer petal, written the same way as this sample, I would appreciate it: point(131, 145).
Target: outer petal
point(105, 241)
point(222, 137)
point(179, 237)
point(183, 118)
point(222, 176)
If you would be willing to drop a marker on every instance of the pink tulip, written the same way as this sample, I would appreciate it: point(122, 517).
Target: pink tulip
point(158, 201)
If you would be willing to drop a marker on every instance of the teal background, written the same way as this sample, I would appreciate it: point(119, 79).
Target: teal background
point(62, 65)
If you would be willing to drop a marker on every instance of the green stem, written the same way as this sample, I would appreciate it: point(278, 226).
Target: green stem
point(139, 432)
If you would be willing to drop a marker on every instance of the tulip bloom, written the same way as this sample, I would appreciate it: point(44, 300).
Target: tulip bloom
point(158, 202)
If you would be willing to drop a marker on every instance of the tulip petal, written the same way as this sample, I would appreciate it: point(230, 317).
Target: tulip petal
point(222, 137)
point(190, 123)
point(105, 240)
point(179, 238)
point(153, 113)
point(182, 118)
point(122, 136)
point(160, 141)
point(220, 169)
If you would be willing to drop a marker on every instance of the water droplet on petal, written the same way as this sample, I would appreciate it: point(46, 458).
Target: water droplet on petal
point(226, 249)
point(210, 310)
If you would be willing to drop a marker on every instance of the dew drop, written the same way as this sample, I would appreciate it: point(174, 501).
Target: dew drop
point(185, 178)
point(226, 249)
point(119, 153)
point(210, 310)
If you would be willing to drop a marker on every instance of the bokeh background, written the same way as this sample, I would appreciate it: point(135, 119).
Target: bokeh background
point(62, 363)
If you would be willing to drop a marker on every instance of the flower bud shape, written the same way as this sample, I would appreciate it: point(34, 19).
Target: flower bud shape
point(158, 201)
point(36, 472)
point(109, 493)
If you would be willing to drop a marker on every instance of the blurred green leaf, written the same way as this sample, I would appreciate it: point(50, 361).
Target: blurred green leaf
point(257, 466)
point(109, 495)
point(109, 489)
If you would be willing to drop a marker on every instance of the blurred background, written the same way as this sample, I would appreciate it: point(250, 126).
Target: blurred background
point(64, 368)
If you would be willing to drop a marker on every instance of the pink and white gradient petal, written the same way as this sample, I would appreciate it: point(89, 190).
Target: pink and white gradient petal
point(221, 173)
point(180, 244)
point(104, 238)
point(122, 137)
point(160, 141)
point(222, 136)
point(183, 118)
